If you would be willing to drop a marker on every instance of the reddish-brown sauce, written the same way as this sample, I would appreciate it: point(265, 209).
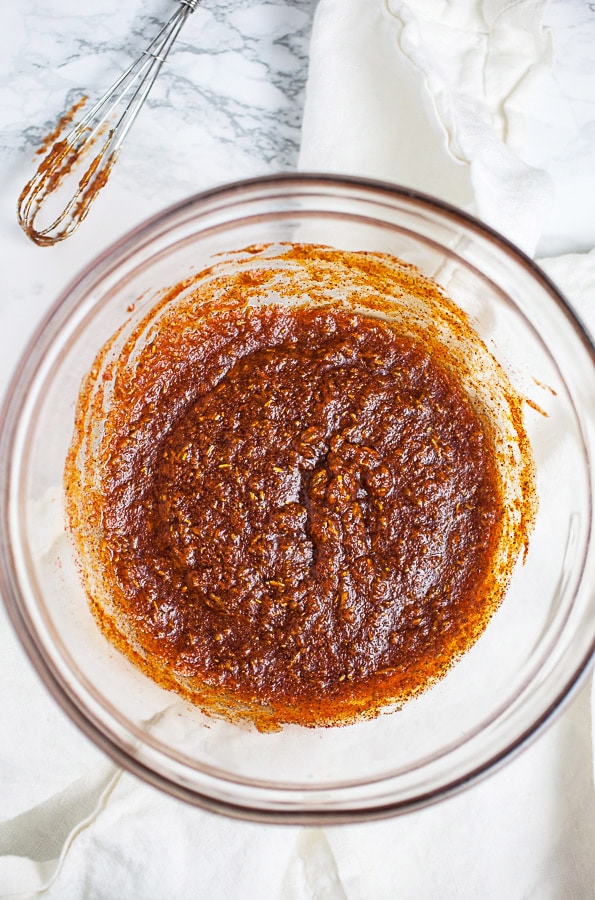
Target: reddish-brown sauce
point(305, 524)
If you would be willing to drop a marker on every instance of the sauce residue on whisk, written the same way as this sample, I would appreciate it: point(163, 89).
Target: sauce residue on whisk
point(57, 165)
point(63, 122)
point(112, 116)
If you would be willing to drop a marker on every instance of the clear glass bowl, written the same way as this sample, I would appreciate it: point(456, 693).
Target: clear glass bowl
point(536, 648)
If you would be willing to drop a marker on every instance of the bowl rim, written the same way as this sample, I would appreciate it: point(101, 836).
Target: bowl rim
point(34, 354)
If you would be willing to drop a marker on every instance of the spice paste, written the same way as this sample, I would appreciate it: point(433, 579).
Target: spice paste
point(302, 521)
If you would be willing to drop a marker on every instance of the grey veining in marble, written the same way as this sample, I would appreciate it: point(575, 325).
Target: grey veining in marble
point(226, 106)
point(235, 77)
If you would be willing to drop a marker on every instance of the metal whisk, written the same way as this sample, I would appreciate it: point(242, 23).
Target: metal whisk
point(103, 129)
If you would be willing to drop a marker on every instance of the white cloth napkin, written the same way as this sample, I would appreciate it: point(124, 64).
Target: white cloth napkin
point(437, 96)
point(461, 100)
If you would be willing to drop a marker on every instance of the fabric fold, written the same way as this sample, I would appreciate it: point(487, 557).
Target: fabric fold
point(418, 94)
point(33, 844)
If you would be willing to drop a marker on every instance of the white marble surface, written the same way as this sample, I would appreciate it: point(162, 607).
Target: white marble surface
point(228, 106)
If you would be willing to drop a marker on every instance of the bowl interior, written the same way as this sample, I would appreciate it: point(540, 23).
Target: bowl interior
point(533, 650)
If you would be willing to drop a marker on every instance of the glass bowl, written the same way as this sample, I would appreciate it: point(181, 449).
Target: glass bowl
point(534, 651)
